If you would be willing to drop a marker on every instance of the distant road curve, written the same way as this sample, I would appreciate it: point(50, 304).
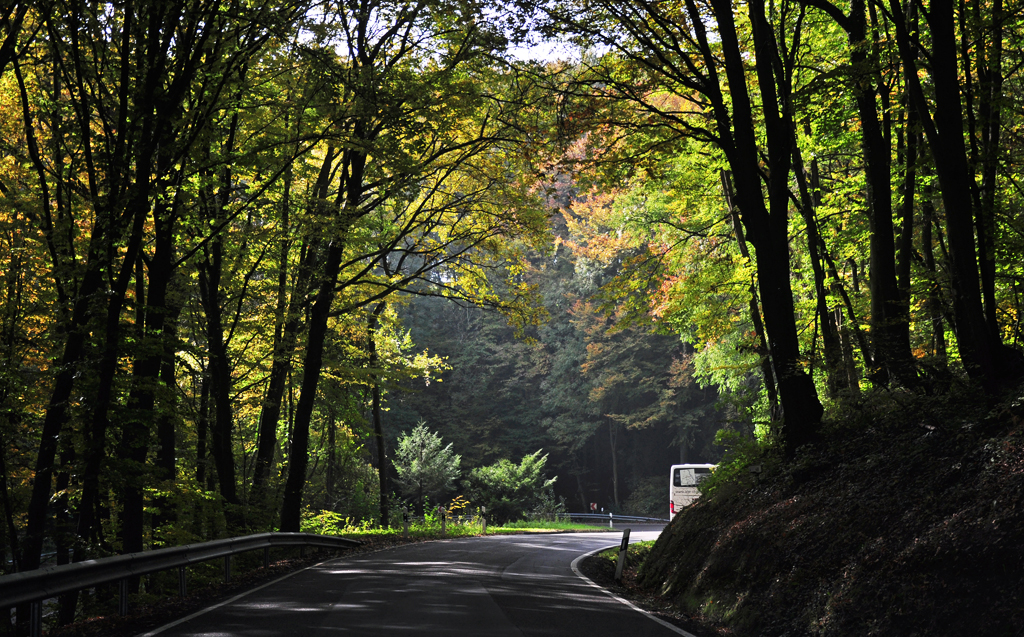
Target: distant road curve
point(495, 586)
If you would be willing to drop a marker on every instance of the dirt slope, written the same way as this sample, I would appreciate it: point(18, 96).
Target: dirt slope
point(908, 520)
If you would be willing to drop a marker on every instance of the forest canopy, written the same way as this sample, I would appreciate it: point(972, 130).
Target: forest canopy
point(245, 247)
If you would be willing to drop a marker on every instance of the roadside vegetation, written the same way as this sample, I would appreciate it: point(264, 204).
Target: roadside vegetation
point(458, 523)
point(907, 518)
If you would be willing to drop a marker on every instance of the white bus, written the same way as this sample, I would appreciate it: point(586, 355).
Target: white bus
point(682, 485)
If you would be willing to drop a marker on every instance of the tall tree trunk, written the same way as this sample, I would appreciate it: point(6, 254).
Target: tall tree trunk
point(211, 295)
point(767, 227)
point(348, 202)
point(890, 327)
point(767, 372)
point(612, 440)
point(287, 328)
point(906, 244)
point(64, 537)
point(935, 305)
point(202, 429)
point(988, 53)
point(945, 133)
point(836, 379)
point(331, 460)
point(298, 457)
point(167, 419)
point(5, 497)
point(220, 374)
point(378, 425)
point(138, 429)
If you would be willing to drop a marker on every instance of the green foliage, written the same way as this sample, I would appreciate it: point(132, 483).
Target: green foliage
point(426, 469)
point(742, 453)
point(636, 553)
point(330, 523)
point(512, 491)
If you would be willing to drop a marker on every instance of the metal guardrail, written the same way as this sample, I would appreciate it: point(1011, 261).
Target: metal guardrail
point(32, 587)
point(612, 518)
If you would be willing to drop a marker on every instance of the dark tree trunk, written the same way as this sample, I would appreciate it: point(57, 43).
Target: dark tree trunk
point(349, 199)
point(220, 374)
point(150, 356)
point(298, 457)
point(378, 425)
point(167, 419)
point(890, 327)
point(202, 429)
point(286, 332)
point(945, 133)
point(613, 446)
point(771, 389)
point(767, 228)
point(331, 460)
point(989, 66)
point(935, 304)
point(64, 531)
point(836, 378)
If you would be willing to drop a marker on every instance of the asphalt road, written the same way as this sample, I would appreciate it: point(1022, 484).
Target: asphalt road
point(496, 586)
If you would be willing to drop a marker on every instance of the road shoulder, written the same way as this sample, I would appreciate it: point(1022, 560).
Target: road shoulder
point(600, 572)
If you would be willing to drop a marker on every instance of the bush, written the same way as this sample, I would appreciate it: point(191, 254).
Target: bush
point(512, 492)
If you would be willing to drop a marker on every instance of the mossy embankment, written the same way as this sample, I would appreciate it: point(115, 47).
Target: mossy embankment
point(906, 519)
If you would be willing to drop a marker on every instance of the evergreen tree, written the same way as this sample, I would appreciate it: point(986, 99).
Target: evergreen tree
point(426, 469)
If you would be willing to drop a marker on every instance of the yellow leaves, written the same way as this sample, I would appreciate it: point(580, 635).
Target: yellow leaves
point(595, 228)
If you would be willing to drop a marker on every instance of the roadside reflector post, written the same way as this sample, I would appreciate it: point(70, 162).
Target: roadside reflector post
point(405, 522)
point(441, 509)
point(620, 563)
point(611, 520)
point(35, 618)
point(483, 520)
point(122, 598)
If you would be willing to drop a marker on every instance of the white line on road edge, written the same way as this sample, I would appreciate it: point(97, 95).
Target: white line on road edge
point(157, 631)
point(575, 569)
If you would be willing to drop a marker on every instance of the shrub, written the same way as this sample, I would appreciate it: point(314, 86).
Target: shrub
point(511, 491)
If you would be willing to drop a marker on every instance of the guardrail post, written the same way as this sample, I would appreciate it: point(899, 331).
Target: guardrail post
point(227, 568)
point(35, 619)
point(182, 585)
point(266, 557)
point(122, 597)
point(620, 563)
point(302, 551)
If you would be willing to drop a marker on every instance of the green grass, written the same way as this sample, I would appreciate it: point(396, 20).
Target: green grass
point(327, 523)
point(635, 554)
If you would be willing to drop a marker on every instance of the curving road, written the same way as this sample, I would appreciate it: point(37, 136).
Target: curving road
point(495, 586)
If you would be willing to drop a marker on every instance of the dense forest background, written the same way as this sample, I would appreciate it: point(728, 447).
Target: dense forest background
point(247, 246)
